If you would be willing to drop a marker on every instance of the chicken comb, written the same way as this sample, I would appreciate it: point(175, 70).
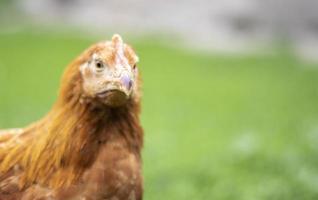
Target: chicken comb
point(119, 47)
point(118, 44)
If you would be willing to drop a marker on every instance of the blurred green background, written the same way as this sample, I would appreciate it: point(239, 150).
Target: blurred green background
point(217, 126)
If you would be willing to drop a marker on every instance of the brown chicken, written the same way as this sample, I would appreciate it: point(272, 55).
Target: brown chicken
point(88, 147)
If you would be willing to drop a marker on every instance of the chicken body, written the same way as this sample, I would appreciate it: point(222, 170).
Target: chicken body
point(88, 147)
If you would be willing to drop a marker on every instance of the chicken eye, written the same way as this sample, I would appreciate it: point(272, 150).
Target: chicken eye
point(99, 65)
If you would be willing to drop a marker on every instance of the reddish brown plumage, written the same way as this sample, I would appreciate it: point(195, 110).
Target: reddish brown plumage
point(82, 149)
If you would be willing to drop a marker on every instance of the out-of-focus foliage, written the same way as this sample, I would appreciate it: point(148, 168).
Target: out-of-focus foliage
point(217, 127)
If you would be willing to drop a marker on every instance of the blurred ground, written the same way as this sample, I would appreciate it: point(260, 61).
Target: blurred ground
point(217, 127)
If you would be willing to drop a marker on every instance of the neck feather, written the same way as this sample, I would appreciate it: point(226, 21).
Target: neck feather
point(57, 149)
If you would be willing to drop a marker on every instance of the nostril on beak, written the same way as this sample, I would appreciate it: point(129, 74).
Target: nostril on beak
point(127, 82)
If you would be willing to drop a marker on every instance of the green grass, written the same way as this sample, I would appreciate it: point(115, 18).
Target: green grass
point(216, 127)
